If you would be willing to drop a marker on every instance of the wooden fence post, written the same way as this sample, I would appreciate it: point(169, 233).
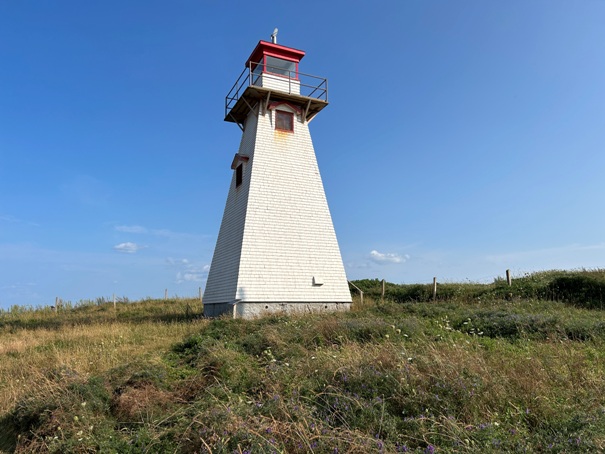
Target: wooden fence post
point(165, 294)
point(509, 280)
point(360, 292)
point(383, 290)
point(200, 294)
point(434, 288)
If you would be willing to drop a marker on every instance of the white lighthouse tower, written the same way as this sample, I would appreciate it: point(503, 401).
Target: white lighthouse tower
point(276, 250)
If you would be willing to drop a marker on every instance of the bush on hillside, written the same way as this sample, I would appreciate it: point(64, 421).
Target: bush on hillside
point(584, 288)
point(580, 290)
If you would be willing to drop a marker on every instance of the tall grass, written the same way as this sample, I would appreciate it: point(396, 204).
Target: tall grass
point(42, 349)
point(466, 374)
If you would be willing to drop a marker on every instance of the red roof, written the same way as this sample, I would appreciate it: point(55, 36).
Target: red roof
point(274, 50)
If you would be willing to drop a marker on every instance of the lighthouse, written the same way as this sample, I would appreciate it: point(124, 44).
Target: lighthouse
point(276, 249)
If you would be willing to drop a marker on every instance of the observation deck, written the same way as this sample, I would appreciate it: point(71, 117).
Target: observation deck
point(261, 82)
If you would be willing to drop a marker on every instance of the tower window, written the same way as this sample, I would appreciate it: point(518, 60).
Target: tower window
point(239, 175)
point(280, 66)
point(284, 121)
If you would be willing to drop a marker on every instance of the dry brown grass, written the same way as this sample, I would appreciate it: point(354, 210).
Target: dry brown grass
point(27, 357)
point(141, 403)
point(386, 377)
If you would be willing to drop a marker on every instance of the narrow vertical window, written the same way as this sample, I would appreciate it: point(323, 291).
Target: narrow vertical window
point(284, 121)
point(239, 175)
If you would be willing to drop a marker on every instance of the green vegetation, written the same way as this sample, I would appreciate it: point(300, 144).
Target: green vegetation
point(584, 288)
point(485, 368)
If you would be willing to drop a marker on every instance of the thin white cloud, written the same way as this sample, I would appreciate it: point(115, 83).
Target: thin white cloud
point(358, 265)
point(165, 233)
point(192, 273)
point(14, 220)
point(128, 247)
point(131, 228)
point(18, 285)
point(173, 261)
point(383, 258)
point(188, 277)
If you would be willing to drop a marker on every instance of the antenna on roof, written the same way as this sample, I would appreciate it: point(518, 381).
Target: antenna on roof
point(274, 36)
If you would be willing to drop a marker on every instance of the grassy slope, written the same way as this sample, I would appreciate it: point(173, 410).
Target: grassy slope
point(477, 372)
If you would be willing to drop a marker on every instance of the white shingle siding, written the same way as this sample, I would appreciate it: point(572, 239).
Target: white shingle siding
point(277, 233)
point(277, 82)
point(222, 278)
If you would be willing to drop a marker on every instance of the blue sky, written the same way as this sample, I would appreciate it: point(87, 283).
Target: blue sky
point(462, 138)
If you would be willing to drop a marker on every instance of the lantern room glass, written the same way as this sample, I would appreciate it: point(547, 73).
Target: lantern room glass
point(280, 66)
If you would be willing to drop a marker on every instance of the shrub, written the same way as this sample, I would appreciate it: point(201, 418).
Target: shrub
point(579, 289)
point(584, 288)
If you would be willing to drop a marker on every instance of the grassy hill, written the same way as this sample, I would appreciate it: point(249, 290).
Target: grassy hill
point(484, 368)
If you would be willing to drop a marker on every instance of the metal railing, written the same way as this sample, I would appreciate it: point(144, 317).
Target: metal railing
point(296, 82)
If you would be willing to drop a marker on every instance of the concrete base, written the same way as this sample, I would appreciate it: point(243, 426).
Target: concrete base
point(252, 310)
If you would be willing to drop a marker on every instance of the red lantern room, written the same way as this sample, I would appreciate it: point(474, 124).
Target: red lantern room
point(272, 75)
point(271, 58)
